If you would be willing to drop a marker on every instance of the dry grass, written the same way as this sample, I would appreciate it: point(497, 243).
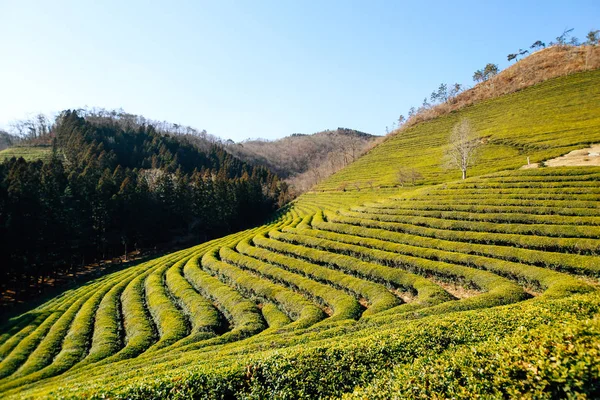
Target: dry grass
point(456, 290)
point(540, 66)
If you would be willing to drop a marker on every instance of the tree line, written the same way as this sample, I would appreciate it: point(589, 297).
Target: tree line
point(110, 188)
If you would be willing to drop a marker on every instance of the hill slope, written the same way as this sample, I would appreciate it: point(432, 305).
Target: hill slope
point(540, 122)
point(306, 159)
point(104, 189)
point(484, 287)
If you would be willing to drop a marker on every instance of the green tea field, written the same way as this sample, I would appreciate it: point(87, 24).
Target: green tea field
point(540, 122)
point(481, 288)
point(29, 153)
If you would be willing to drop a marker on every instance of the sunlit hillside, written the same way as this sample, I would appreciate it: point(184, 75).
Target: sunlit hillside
point(541, 122)
point(445, 288)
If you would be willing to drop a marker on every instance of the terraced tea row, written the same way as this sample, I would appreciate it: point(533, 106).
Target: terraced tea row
point(282, 309)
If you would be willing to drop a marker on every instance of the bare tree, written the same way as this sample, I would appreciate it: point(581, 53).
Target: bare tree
point(463, 146)
point(352, 146)
point(408, 175)
point(562, 39)
point(36, 127)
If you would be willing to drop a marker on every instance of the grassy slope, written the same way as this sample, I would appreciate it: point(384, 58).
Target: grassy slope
point(542, 122)
point(501, 238)
point(29, 153)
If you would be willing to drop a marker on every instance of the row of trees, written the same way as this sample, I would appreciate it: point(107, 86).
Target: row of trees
point(444, 93)
point(565, 39)
point(107, 190)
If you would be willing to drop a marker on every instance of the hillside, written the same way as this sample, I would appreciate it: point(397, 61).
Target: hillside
point(432, 279)
point(486, 287)
point(305, 160)
point(541, 122)
point(106, 188)
point(539, 66)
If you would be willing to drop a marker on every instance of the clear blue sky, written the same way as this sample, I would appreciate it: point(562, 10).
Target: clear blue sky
point(259, 68)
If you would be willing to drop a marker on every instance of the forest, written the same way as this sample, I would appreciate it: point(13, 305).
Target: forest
point(111, 187)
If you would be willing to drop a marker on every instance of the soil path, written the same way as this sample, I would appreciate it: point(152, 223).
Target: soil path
point(588, 157)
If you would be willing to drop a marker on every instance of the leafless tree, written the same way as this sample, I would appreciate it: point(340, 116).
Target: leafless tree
point(463, 146)
point(408, 175)
point(352, 146)
point(36, 127)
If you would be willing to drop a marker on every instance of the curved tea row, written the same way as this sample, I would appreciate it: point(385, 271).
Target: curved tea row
point(328, 279)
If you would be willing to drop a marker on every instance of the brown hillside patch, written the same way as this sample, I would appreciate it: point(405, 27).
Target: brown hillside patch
point(588, 157)
point(540, 66)
point(585, 157)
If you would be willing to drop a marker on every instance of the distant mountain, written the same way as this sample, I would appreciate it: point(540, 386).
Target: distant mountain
point(303, 159)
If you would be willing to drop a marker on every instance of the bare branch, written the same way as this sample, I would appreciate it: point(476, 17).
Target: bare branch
point(463, 147)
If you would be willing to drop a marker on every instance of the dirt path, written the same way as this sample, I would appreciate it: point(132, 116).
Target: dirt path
point(588, 157)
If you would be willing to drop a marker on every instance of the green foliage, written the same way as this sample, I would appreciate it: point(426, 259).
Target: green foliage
point(242, 314)
point(29, 153)
point(343, 305)
point(170, 321)
point(573, 263)
point(482, 288)
point(572, 245)
point(26, 346)
point(106, 340)
point(427, 293)
point(140, 331)
point(377, 296)
point(203, 316)
point(106, 189)
point(547, 363)
point(274, 316)
point(18, 335)
point(541, 122)
point(303, 312)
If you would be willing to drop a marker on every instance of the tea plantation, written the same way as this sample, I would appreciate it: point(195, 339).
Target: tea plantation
point(450, 289)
